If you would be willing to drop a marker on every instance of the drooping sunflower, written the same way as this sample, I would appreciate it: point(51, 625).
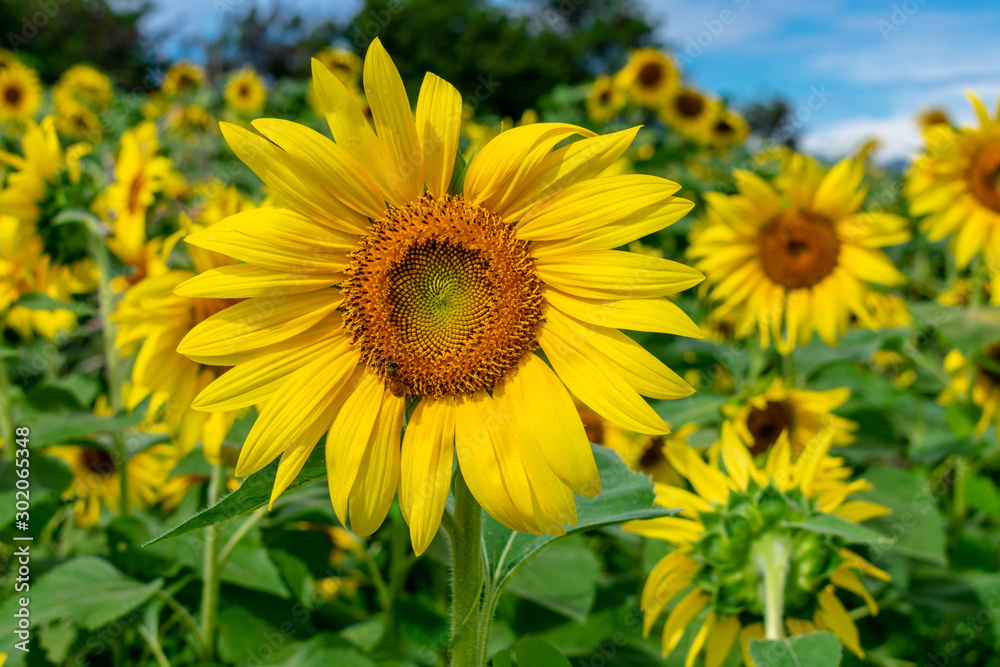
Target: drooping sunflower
point(978, 378)
point(20, 92)
point(728, 128)
point(152, 320)
point(85, 85)
point(798, 414)
point(245, 91)
point(605, 100)
point(735, 513)
point(794, 257)
point(96, 482)
point(955, 184)
point(139, 175)
point(374, 286)
point(183, 78)
point(648, 78)
point(689, 113)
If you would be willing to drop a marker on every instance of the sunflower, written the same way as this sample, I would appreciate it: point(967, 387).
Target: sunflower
point(96, 481)
point(887, 310)
point(796, 255)
point(648, 78)
point(979, 378)
point(964, 292)
point(955, 184)
point(152, 320)
point(139, 175)
point(76, 121)
point(367, 291)
point(728, 128)
point(731, 517)
point(20, 92)
point(798, 414)
point(245, 91)
point(345, 65)
point(931, 117)
point(641, 453)
point(85, 85)
point(605, 100)
point(689, 113)
point(183, 78)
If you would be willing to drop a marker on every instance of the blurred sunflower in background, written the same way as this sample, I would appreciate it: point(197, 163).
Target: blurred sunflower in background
point(345, 65)
point(183, 78)
point(797, 414)
point(977, 378)
point(739, 526)
point(245, 92)
point(84, 85)
point(955, 183)
point(727, 129)
point(605, 100)
point(441, 297)
point(931, 117)
point(689, 113)
point(795, 256)
point(648, 78)
point(152, 319)
point(20, 92)
point(75, 121)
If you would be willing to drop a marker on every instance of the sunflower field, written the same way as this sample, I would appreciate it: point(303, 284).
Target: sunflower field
point(349, 370)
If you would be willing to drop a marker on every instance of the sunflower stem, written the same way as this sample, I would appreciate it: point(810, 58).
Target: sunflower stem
point(466, 578)
point(210, 571)
point(771, 554)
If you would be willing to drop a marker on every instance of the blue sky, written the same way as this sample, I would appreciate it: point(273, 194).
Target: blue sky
point(875, 63)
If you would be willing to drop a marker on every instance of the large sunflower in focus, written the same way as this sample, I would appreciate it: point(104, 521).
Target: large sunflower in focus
point(373, 287)
point(732, 513)
point(956, 184)
point(794, 257)
point(648, 78)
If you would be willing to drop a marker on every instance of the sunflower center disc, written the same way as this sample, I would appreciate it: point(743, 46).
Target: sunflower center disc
point(798, 249)
point(690, 105)
point(984, 176)
point(98, 461)
point(766, 425)
point(650, 74)
point(441, 298)
point(12, 95)
point(991, 367)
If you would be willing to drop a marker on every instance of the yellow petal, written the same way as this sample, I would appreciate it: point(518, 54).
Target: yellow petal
point(349, 436)
point(752, 631)
point(394, 124)
point(832, 616)
point(675, 530)
point(682, 614)
point(861, 510)
point(425, 468)
point(290, 230)
point(246, 281)
point(292, 182)
point(699, 639)
point(615, 274)
point(657, 315)
point(379, 473)
point(539, 406)
point(723, 636)
point(297, 410)
point(244, 248)
point(844, 578)
point(598, 385)
point(255, 323)
point(439, 119)
point(326, 162)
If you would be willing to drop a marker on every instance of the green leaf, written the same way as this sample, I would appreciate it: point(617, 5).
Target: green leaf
point(968, 329)
point(42, 301)
point(915, 528)
point(57, 639)
point(816, 649)
point(562, 578)
point(624, 496)
point(47, 429)
point(502, 659)
point(831, 524)
point(254, 492)
point(982, 495)
point(962, 417)
point(88, 590)
point(539, 653)
point(325, 650)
